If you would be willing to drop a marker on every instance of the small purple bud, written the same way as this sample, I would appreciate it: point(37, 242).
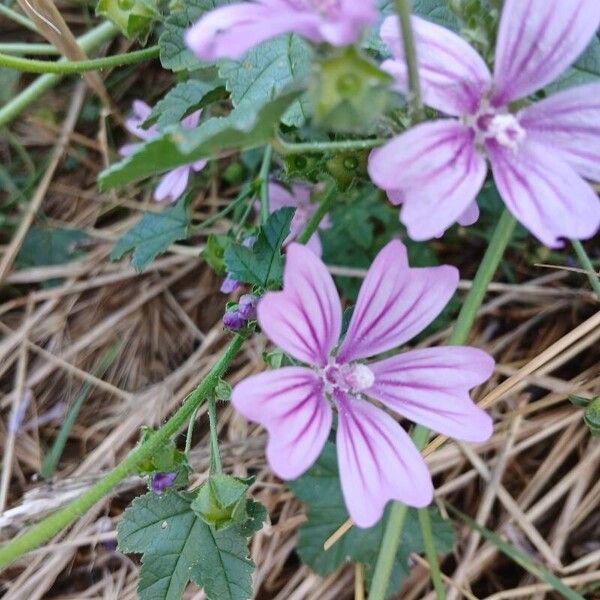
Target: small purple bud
point(233, 320)
point(161, 481)
point(249, 241)
point(229, 285)
point(247, 306)
point(17, 416)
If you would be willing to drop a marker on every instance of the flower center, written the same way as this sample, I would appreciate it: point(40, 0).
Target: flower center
point(354, 377)
point(498, 125)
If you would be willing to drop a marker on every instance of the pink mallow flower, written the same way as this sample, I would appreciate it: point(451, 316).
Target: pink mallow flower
point(229, 31)
point(539, 154)
point(172, 184)
point(377, 459)
point(298, 198)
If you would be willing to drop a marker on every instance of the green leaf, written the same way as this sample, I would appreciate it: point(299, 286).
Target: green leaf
point(261, 265)
point(320, 490)
point(134, 18)
point(244, 127)
point(585, 70)
point(174, 54)
point(178, 547)
point(266, 70)
point(44, 246)
point(154, 233)
point(185, 98)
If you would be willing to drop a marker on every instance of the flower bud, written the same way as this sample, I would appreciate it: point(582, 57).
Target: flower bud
point(592, 416)
point(162, 481)
point(233, 320)
point(247, 306)
point(221, 501)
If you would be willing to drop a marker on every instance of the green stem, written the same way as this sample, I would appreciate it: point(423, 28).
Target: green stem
point(17, 17)
point(315, 220)
point(245, 192)
point(28, 49)
point(410, 56)
point(586, 263)
point(44, 530)
point(88, 42)
point(30, 65)
point(287, 148)
point(431, 553)
point(395, 525)
point(190, 431)
point(216, 467)
point(263, 177)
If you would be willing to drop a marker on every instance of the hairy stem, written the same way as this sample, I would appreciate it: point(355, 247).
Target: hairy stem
point(263, 177)
point(88, 42)
point(288, 148)
point(215, 457)
point(28, 49)
point(410, 54)
point(431, 553)
point(586, 263)
point(50, 526)
point(315, 220)
point(66, 67)
point(485, 273)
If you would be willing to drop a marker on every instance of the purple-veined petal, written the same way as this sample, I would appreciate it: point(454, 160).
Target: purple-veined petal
point(141, 111)
point(199, 165)
point(289, 403)
point(469, 216)
point(537, 41)
point(172, 185)
point(281, 197)
point(129, 149)
point(453, 76)
point(544, 193)
point(431, 386)
point(395, 303)
point(314, 244)
point(569, 123)
point(191, 121)
point(378, 462)
point(305, 319)
point(435, 169)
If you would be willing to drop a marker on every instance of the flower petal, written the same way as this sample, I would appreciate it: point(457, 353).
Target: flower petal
point(544, 193)
point(469, 216)
point(569, 123)
point(431, 386)
point(537, 41)
point(199, 164)
point(305, 319)
point(453, 76)
point(314, 244)
point(289, 403)
point(172, 185)
point(435, 170)
point(377, 461)
point(395, 303)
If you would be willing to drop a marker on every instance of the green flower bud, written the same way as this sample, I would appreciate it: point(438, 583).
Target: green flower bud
point(347, 167)
point(592, 416)
point(221, 501)
point(133, 17)
point(349, 92)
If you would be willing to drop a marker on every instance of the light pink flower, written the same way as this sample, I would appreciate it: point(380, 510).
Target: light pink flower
point(298, 198)
point(539, 155)
point(229, 31)
point(172, 185)
point(377, 460)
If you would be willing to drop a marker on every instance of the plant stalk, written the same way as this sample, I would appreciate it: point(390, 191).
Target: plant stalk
point(315, 220)
point(289, 148)
point(263, 177)
point(586, 263)
point(88, 42)
point(67, 67)
point(431, 553)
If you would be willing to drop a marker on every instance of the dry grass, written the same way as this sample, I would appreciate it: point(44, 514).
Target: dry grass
point(535, 482)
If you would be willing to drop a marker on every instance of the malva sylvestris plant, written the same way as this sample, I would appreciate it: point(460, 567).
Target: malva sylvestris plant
point(354, 384)
point(377, 460)
point(539, 153)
